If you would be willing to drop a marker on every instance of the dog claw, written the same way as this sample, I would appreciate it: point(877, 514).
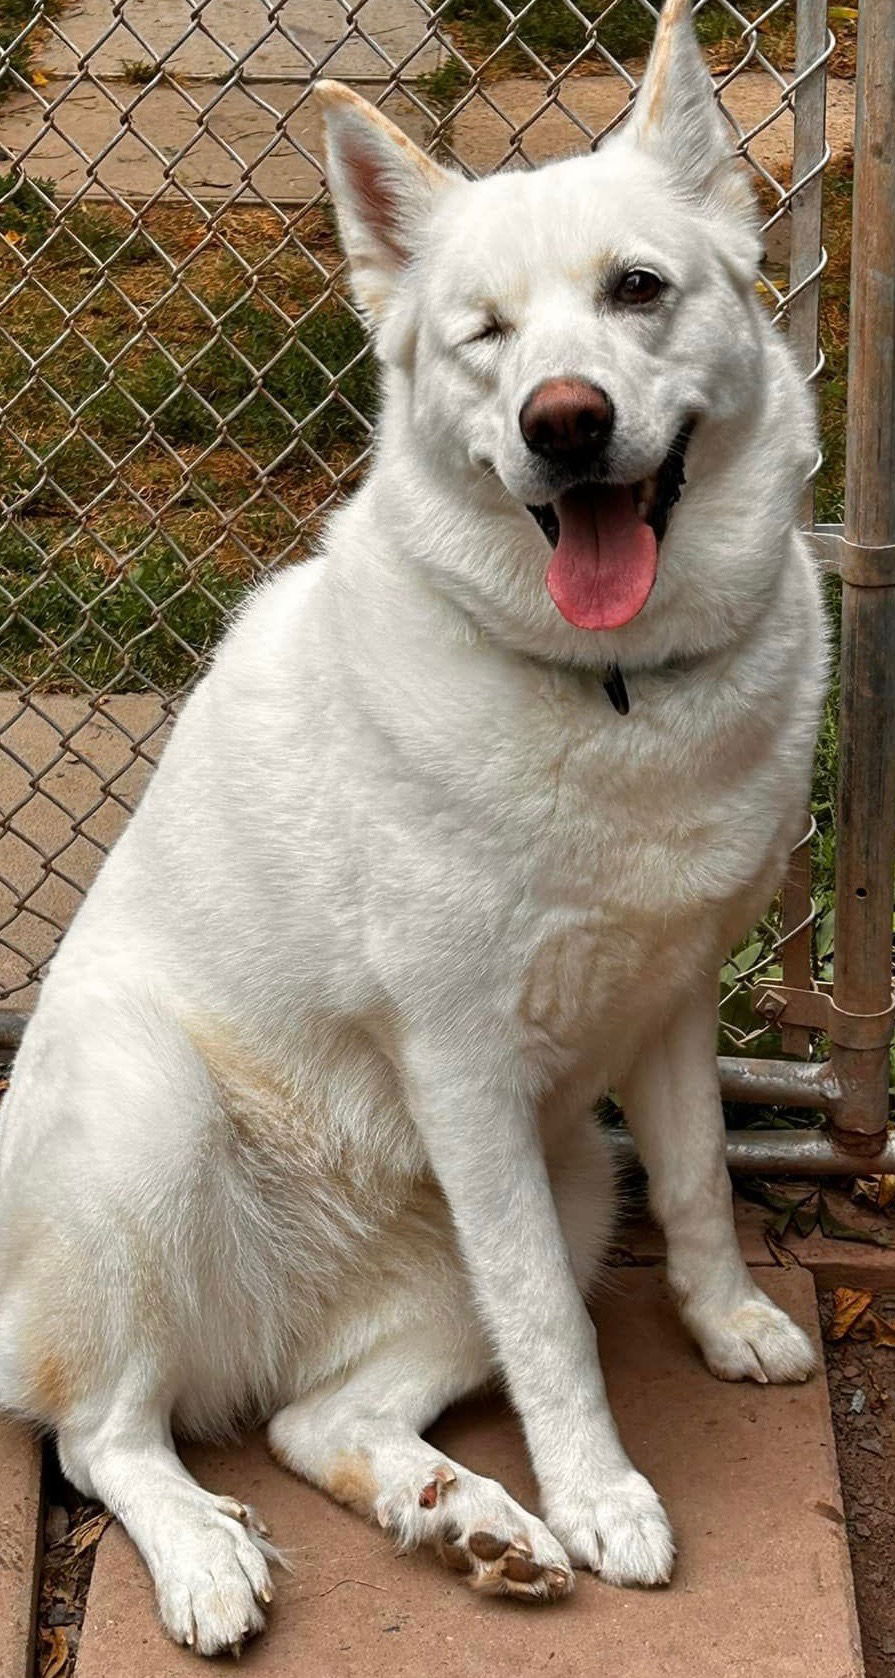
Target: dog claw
point(443, 1476)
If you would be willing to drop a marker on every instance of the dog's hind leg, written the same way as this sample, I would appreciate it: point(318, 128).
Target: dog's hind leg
point(358, 1436)
point(360, 1441)
point(207, 1555)
point(672, 1104)
point(139, 1302)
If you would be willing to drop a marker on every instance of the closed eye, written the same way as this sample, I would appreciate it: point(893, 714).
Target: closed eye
point(490, 331)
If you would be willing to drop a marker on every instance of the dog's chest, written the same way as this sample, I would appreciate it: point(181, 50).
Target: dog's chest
point(630, 886)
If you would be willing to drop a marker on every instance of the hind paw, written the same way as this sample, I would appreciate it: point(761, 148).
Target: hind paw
point(478, 1530)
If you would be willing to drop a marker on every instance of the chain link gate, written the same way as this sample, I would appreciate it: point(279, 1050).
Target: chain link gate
point(185, 388)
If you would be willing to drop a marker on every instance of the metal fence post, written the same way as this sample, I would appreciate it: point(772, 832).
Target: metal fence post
point(807, 260)
point(866, 815)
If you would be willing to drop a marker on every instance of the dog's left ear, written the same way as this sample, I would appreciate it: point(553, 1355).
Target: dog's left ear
point(383, 188)
point(676, 117)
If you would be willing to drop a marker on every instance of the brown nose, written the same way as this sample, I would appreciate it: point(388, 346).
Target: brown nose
point(566, 418)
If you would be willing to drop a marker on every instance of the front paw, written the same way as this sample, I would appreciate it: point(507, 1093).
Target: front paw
point(755, 1342)
point(620, 1531)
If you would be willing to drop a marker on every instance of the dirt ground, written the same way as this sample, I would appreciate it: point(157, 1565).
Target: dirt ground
point(862, 1394)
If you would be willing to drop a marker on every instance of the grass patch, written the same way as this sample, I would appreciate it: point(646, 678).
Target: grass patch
point(15, 15)
point(138, 71)
point(171, 428)
point(550, 31)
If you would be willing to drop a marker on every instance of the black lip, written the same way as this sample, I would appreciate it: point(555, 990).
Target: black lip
point(670, 481)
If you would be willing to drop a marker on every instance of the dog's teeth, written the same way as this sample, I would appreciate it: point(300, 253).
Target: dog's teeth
point(645, 498)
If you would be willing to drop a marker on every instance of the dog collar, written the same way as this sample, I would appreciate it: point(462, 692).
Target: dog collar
point(617, 693)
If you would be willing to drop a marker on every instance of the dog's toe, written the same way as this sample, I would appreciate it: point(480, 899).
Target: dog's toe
point(621, 1532)
point(757, 1342)
point(478, 1530)
point(212, 1584)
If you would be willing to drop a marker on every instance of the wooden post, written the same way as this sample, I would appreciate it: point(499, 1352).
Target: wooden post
point(866, 812)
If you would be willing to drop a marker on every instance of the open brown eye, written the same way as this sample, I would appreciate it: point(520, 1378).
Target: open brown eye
point(638, 285)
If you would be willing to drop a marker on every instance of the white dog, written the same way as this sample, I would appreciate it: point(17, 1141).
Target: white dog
point(312, 1074)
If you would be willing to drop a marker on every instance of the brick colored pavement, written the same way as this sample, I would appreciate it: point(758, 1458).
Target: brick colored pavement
point(762, 1587)
point(19, 1545)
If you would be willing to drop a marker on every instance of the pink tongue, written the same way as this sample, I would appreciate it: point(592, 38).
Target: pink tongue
point(604, 564)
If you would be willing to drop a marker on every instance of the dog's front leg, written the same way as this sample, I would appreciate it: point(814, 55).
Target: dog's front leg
point(672, 1104)
point(483, 1143)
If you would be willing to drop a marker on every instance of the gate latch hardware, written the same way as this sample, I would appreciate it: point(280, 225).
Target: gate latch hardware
point(816, 1010)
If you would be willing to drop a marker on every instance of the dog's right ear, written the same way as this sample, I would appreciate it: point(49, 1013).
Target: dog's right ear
point(383, 189)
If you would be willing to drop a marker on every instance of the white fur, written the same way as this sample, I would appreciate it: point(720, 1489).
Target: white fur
point(301, 1126)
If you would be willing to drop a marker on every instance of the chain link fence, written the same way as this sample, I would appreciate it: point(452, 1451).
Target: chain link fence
point(185, 388)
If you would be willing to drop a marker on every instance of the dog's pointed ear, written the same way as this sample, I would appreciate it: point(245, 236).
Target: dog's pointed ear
point(676, 116)
point(383, 188)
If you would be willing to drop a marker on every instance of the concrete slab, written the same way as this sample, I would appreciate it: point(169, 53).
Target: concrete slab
point(286, 41)
point(762, 1588)
point(261, 140)
point(69, 775)
point(589, 103)
point(211, 143)
point(831, 1263)
point(20, 1546)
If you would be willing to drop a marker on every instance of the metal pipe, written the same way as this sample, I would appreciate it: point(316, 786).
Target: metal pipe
point(806, 212)
point(865, 857)
point(779, 1083)
point(768, 1153)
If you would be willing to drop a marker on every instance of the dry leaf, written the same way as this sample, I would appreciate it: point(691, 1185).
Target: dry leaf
point(38, 79)
point(53, 1652)
point(13, 238)
point(876, 1191)
point(88, 1533)
point(784, 1256)
point(849, 1305)
point(880, 1332)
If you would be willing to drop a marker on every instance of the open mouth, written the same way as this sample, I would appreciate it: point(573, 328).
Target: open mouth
point(605, 540)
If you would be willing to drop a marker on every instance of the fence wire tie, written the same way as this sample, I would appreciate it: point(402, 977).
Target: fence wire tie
point(865, 564)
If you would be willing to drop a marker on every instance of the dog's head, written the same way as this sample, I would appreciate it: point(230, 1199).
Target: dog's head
point(560, 332)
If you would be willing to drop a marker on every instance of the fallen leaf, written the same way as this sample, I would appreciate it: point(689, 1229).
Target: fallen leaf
point(38, 79)
point(843, 14)
point(784, 1256)
point(881, 1332)
point(838, 1231)
point(53, 1652)
point(849, 1305)
point(831, 1513)
point(88, 1533)
point(13, 238)
point(876, 1191)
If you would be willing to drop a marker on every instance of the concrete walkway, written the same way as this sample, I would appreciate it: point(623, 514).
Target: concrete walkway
point(762, 1587)
point(263, 136)
point(275, 42)
point(69, 774)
